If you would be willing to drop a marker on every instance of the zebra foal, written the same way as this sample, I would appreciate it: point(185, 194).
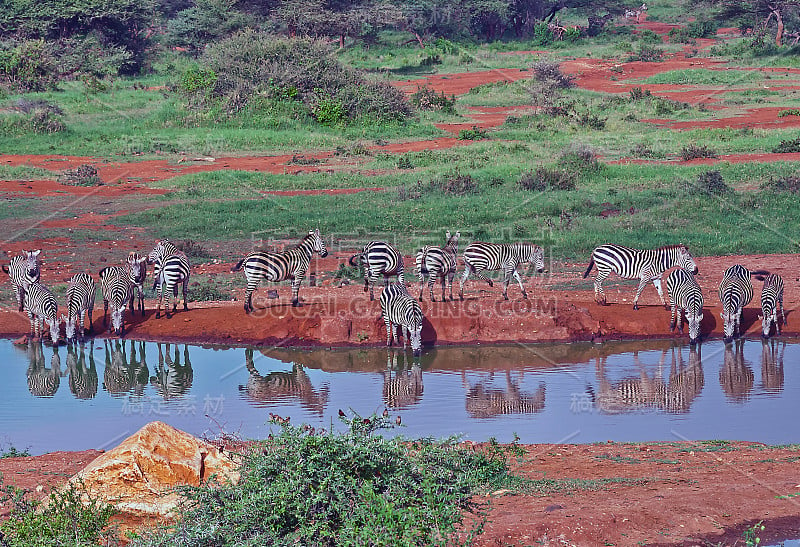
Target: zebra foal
point(41, 306)
point(399, 308)
point(481, 256)
point(378, 259)
point(80, 302)
point(646, 264)
point(138, 273)
point(438, 262)
point(290, 264)
point(735, 292)
point(170, 268)
point(23, 270)
point(771, 300)
point(115, 284)
point(685, 295)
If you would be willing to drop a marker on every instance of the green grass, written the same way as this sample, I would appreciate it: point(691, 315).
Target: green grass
point(701, 77)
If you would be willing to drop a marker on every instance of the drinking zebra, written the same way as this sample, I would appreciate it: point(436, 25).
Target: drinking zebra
point(23, 270)
point(83, 379)
point(438, 262)
point(115, 284)
point(685, 295)
point(277, 266)
point(401, 309)
point(495, 256)
point(80, 302)
point(138, 273)
point(488, 402)
point(41, 306)
point(378, 258)
point(771, 300)
point(170, 267)
point(404, 388)
point(648, 265)
point(735, 292)
point(42, 381)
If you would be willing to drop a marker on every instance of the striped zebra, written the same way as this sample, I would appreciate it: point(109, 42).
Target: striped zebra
point(495, 256)
point(82, 379)
point(771, 301)
point(736, 377)
point(772, 357)
point(648, 265)
point(277, 266)
point(115, 284)
point(23, 270)
point(41, 306)
point(170, 267)
point(171, 378)
point(735, 292)
point(80, 302)
point(138, 273)
point(438, 262)
point(401, 309)
point(483, 402)
point(404, 388)
point(378, 258)
point(685, 295)
point(42, 381)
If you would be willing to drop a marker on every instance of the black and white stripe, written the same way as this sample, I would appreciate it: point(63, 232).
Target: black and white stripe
point(378, 258)
point(80, 302)
point(290, 264)
point(83, 379)
point(41, 306)
point(23, 270)
point(137, 266)
point(481, 256)
point(401, 309)
point(685, 295)
point(115, 284)
point(42, 381)
point(170, 268)
point(648, 265)
point(488, 402)
point(771, 301)
point(735, 292)
point(403, 388)
point(438, 262)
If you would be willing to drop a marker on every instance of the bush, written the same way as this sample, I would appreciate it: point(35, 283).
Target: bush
point(427, 99)
point(473, 134)
point(579, 157)
point(789, 184)
point(28, 65)
point(548, 178)
point(693, 151)
point(83, 175)
point(308, 487)
point(638, 94)
point(547, 85)
point(647, 54)
point(711, 182)
point(787, 147)
point(34, 116)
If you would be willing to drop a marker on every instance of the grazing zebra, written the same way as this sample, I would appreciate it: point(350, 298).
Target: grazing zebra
point(42, 381)
point(170, 267)
point(80, 302)
point(41, 306)
point(771, 300)
point(735, 292)
point(82, 379)
point(495, 256)
point(115, 283)
point(378, 259)
point(138, 273)
point(401, 309)
point(290, 264)
point(685, 295)
point(23, 270)
point(648, 265)
point(438, 262)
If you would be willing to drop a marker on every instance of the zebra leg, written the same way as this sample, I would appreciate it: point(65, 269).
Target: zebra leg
point(166, 293)
point(464, 280)
point(783, 315)
point(450, 277)
point(388, 332)
point(519, 280)
point(105, 313)
point(185, 289)
point(248, 296)
point(681, 318)
point(431, 283)
point(599, 294)
point(175, 296)
point(296, 290)
point(642, 284)
point(421, 283)
point(657, 285)
point(160, 295)
point(444, 285)
point(672, 317)
point(20, 297)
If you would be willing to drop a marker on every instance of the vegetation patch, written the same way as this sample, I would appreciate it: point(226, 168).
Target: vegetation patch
point(83, 175)
point(787, 147)
point(425, 98)
point(694, 151)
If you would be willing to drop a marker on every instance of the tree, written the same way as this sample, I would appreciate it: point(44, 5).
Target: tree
point(759, 13)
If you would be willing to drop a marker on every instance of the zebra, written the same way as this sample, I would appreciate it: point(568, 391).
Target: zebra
point(735, 292)
point(646, 264)
point(404, 388)
point(438, 262)
point(401, 309)
point(80, 302)
point(481, 256)
point(772, 354)
point(24, 270)
point(170, 267)
point(138, 273)
point(771, 300)
point(378, 258)
point(735, 375)
point(685, 295)
point(171, 378)
point(82, 379)
point(483, 402)
point(115, 283)
point(277, 266)
point(42, 381)
point(41, 306)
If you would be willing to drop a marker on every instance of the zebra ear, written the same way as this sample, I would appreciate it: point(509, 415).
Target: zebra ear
point(36, 252)
point(447, 234)
point(5, 268)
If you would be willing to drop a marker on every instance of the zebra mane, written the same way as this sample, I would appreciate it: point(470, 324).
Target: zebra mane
point(674, 246)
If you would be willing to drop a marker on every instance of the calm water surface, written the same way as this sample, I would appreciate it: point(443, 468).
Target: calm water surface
point(95, 395)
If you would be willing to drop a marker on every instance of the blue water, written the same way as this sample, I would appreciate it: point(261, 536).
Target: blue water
point(564, 393)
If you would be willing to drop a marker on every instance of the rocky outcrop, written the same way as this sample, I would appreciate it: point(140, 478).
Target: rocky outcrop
point(139, 475)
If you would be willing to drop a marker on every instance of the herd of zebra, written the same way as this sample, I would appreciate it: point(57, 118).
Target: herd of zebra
point(171, 269)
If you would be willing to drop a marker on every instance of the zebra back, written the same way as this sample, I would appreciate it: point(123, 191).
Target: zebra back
point(80, 294)
point(735, 289)
point(630, 263)
point(493, 256)
point(398, 307)
point(382, 258)
point(771, 301)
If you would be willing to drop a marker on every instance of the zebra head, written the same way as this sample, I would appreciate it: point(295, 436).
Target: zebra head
point(137, 267)
point(536, 258)
point(163, 249)
point(32, 265)
point(769, 315)
point(55, 325)
point(117, 320)
point(685, 260)
point(416, 340)
point(452, 241)
point(694, 326)
point(70, 324)
point(729, 321)
point(318, 243)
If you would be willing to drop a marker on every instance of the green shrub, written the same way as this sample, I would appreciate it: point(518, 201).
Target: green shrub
point(542, 35)
point(198, 79)
point(693, 151)
point(473, 134)
point(789, 184)
point(711, 182)
point(28, 65)
point(548, 178)
point(425, 98)
point(787, 147)
point(647, 54)
point(329, 111)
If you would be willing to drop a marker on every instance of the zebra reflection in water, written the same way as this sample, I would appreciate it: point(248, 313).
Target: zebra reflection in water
point(676, 394)
point(276, 387)
point(171, 378)
point(403, 388)
point(772, 365)
point(42, 381)
point(736, 375)
point(483, 402)
point(82, 379)
point(124, 375)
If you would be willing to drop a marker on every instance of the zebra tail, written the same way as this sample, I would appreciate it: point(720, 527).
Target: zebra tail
point(760, 274)
point(238, 265)
point(589, 269)
point(352, 259)
point(423, 265)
